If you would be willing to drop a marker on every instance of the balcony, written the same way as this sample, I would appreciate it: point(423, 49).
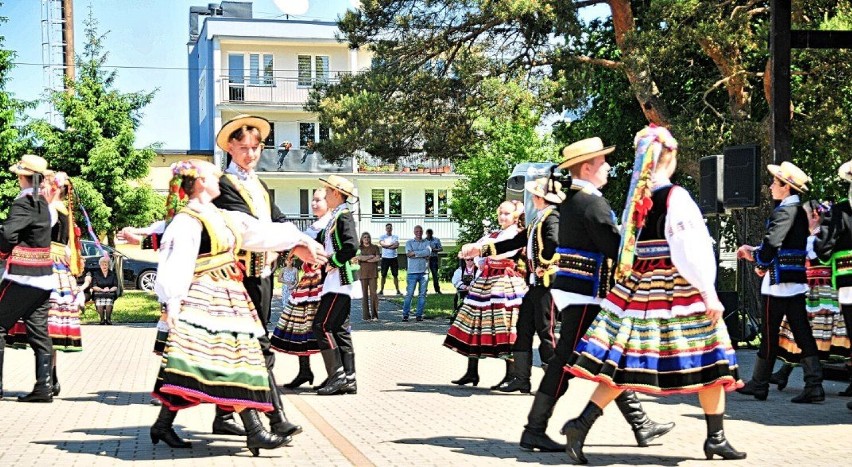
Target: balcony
point(282, 90)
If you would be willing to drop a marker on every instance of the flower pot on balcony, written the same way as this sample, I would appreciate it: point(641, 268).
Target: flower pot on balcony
point(447, 169)
point(421, 170)
point(406, 169)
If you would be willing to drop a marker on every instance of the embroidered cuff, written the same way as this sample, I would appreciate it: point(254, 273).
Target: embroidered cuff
point(758, 262)
point(488, 249)
point(334, 261)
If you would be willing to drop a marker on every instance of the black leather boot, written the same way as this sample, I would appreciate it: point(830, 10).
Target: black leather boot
point(2, 355)
point(305, 374)
point(535, 431)
point(56, 387)
point(472, 374)
point(716, 444)
point(510, 370)
point(320, 385)
point(520, 381)
point(163, 430)
point(782, 376)
point(575, 432)
point(278, 422)
point(43, 389)
point(644, 429)
point(349, 368)
point(813, 391)
point(336, 375)
point(257, 437)
point(845, 393)
point(224, 424)
point(759, 384)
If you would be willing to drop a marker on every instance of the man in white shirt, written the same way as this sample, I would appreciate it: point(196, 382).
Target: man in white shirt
point(389, 243)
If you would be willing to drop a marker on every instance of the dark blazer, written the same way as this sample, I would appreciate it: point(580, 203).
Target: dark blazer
point(27, 226)
point(835, 235)
point(587, 223)
point(543, 248)
point(782, 252)
point(230, 199)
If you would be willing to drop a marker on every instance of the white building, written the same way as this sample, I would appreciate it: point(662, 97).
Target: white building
point(266, 67)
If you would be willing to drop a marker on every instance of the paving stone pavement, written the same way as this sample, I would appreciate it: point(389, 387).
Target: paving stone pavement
point(406, 412)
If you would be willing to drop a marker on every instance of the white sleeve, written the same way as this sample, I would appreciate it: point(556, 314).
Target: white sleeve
point(810, 247)
point(689, 242)
point(155, 228)
point(457, 278)
point(177, 256)
point(267, 236)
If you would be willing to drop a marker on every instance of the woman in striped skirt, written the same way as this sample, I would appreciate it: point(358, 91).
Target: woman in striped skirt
point(212, 353)
point(659, 330)
point(293, 334)
point(485, 324)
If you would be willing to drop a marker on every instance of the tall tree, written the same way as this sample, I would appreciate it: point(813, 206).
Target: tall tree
point(96, 145)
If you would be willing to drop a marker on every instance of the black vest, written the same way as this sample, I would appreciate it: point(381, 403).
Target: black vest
point(782, 252)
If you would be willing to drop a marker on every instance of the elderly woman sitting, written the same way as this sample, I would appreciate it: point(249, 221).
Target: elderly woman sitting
point(104, 290)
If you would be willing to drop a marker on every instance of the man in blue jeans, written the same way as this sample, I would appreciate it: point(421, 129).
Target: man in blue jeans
point(418, 251)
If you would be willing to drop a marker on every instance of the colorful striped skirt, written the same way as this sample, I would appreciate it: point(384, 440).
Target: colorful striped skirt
point(652, 334)
point(294, 334)
point(63, 318)
point(485, 326)
point(827, 325)
point(212, 354)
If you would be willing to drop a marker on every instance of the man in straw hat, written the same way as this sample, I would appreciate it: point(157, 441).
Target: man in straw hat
point(537, 314)
point(782, 255)
point(331, 323)
point(588, 243)
point(25, 289)
point(834, 243)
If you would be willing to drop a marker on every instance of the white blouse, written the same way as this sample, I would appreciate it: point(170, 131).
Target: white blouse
point(182, 238)
point(507, 233)
point(689, 242)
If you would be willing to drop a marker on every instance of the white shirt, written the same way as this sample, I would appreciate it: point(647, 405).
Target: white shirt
point(389, 252)
point(784, 289)
point(46, 282)
point(255, 190)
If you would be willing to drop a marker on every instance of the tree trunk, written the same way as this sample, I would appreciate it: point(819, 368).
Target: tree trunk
point(728, 61)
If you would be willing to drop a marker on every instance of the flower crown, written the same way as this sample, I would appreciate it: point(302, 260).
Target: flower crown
point(185, 169)
point(60, 179)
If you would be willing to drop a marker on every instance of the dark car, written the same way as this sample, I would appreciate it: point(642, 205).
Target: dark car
point(132, 273)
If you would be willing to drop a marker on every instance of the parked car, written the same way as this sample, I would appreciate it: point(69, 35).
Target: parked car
point(132, 273)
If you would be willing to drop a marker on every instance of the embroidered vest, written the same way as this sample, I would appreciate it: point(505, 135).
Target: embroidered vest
point(219, 262)
point(253, 261)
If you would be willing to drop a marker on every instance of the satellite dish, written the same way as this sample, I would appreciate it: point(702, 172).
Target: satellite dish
point(356, 4)
point(292, 7)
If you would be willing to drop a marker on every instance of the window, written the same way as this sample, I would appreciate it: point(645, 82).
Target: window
point(429, 205)
point(390, 206)
point(313, 69)
point(260, 69)
point(435, 203)
point(310, 132)
point(304, 203)
point(236, 68)
point(443, 202)
point(269, 142)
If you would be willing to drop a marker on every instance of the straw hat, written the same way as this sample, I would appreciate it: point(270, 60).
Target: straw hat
point(544, 187)
point(29, 164)
point(845, 171)
point(583, 150)
point(791, 175)
point(336, 182)
point(238, 122)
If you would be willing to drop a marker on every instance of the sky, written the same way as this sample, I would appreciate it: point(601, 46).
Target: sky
point(146, 42)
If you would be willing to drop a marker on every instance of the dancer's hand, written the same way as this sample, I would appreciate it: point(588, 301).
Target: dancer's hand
point(470, 250)
point(714, 307)
point(311, 252)
point(745, 252)
point(128, 235)
point(760, 272)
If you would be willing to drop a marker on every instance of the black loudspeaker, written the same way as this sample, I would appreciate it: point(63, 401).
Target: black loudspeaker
point(741, 180)
point(710, 188)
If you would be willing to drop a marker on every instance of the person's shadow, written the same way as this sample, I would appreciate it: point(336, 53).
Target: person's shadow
point(114, 398)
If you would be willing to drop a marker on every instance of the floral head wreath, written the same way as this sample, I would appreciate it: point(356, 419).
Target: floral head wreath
point(180, 170)
point(60, 179)
point(650, 144)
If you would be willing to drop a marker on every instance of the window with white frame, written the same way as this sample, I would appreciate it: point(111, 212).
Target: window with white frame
point(435, 203)
point(313, 69)
point(260, 69)
point(386, 203)
point(311, 133)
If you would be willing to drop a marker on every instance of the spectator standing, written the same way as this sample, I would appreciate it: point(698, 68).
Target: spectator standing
point(418, 251)
point(434, 260)
point(389, 243)
point(369, 258)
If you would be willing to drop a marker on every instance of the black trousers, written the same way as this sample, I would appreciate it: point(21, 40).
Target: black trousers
point(434, 261)
point(774, 310)
point(331, 323)
point(19, 301)
point(576, 320)
point(537, 316)
point(260, 291)
point(847, 316)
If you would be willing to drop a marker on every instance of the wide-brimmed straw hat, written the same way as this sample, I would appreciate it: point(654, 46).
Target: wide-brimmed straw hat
point(845, 171)
point(545, 187)
point(583, 150)
point(238, 122)
point(343, 185)
point(29, 164)
point(788, 173)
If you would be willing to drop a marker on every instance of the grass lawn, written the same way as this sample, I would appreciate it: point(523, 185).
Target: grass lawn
point(133, 307)
point(437, 306)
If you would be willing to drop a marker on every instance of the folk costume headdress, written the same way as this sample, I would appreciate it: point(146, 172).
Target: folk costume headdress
point(176, 195)
point(650, 144)
point(60, 181)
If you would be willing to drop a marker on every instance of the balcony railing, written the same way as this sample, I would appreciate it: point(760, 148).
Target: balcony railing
point(403, 225)
point(290, 90)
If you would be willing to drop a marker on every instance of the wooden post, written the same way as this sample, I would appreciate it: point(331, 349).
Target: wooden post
point(779, 108)
point(68, 41)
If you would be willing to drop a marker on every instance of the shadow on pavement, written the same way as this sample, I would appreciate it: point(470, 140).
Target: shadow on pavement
point(502, 449)
point(113, 398)
point(449, 390)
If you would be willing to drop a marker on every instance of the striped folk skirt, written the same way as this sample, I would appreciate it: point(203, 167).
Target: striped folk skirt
point(63, 318)
point(485, 326)
point(652, 336)
point(212, 354)
point(294, 334)
point(827, 325)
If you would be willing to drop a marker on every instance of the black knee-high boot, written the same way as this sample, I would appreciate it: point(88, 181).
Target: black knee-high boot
point(471, 375)
point(644, 428)
point(351, 386)
point(2, 356)
point(782, 376)
point(163, 430)
point(305, 374)
point(716, 444)
point(510, 371)
point(43, 389)
point(520, 380)
point(813, 391)
point(575, 432)
point(336, 375)
point(224, 424)
point(535, 432)
point(759, 384)
point(845, 393)
point(257, 437)
point(55, 379)
point(278, 422)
